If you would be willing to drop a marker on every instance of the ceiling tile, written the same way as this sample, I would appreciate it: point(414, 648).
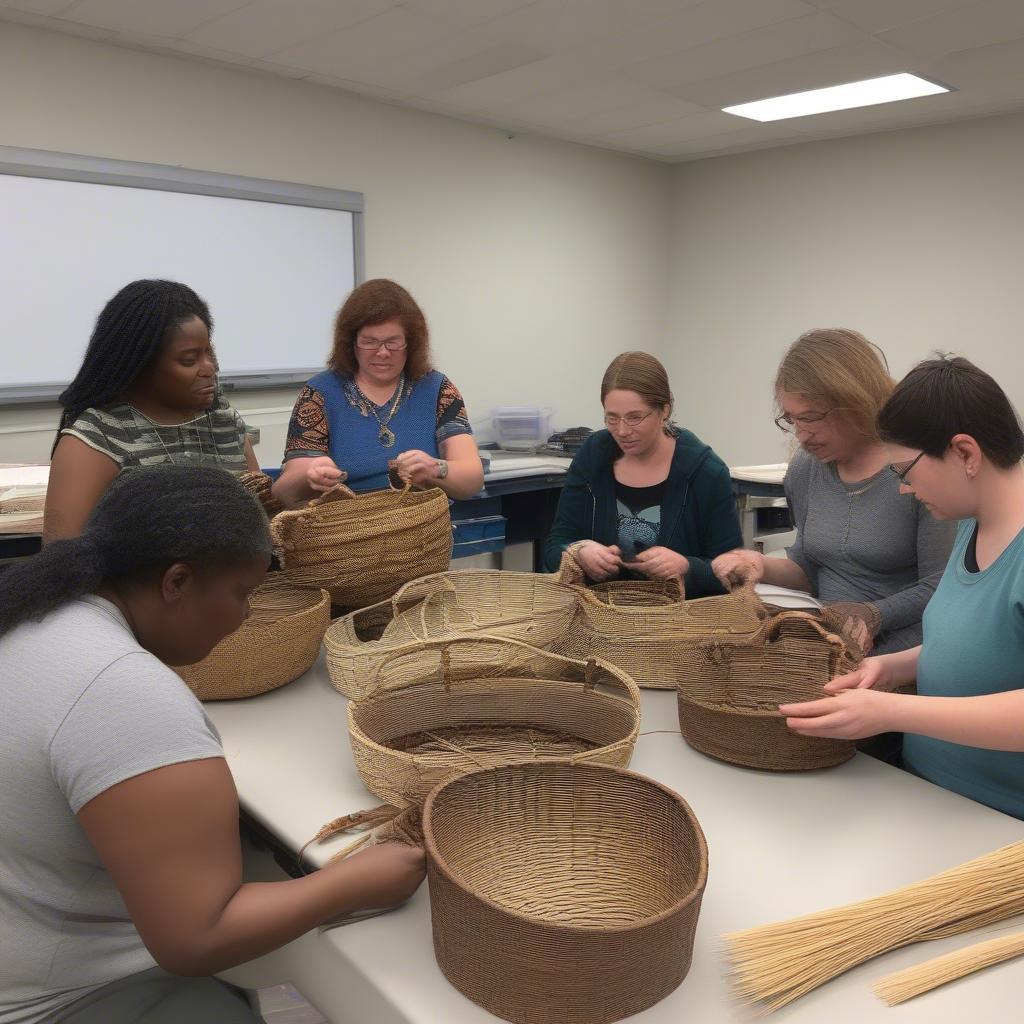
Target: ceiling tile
point(467, 12)
point(269, 26)
point(54, 24)
point(986, 71)
point(754, 136)
point(880, 15)
point(685, 129)
point(38, 6)
point(493, 60)
point(961, 29)
point(658, 107)
point(155, 17)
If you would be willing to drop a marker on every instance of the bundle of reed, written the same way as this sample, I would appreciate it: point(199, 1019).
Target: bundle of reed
point(914, 981)
point(777, 963)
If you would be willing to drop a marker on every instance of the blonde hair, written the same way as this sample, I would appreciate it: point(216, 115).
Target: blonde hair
point(642, 373)
point(841, 369)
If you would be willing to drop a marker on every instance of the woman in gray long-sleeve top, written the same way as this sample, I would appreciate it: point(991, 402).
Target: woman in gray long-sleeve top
point(861, 545)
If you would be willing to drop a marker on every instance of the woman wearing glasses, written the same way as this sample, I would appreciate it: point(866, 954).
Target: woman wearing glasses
point(379, 402)
point(861, 545)
point(959, 444)
point(644, 497)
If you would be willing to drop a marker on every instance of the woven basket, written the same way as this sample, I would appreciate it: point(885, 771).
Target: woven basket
point(362, 548)
point(259, 484)
point(526, 606)
point(731, 689)
point(644, 626)
point(450, 705)
point(277, 643)
point(563, 893)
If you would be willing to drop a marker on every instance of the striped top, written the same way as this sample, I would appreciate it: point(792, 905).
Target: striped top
point(129, 437)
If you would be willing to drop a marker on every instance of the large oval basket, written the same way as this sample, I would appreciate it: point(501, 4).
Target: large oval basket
point(644, 626)
point(530, 607)
point(362, 548)
point(277, 643)
point(563, 893)
point(451, 705)
point(731, 688)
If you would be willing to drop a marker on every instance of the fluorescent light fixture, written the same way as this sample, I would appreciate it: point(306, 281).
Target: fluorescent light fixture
point(868, 93)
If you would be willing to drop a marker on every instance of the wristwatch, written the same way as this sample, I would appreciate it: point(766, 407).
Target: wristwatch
point(442, 469)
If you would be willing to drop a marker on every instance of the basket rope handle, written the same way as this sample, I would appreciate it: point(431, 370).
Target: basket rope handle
point(283, 523)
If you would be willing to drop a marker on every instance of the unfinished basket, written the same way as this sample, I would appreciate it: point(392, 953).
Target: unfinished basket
point(362, 548)
point(450, 705)
point(643, 626)
point(277, 643)
point(526, 606)
point(731, 689)
point(563, 893)
point(259, 484)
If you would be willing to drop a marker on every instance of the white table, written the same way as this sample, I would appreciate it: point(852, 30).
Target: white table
point(779, 845)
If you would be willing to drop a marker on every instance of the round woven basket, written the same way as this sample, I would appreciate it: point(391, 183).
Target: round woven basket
point(277, 643)
point(362, 548)
point(451, 705)
point(731, 688)
point(644, 626)
point(531, 607)
point(562, 893)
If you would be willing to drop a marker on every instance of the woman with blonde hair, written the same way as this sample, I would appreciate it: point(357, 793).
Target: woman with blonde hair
point(861, 546)
point(644, 497)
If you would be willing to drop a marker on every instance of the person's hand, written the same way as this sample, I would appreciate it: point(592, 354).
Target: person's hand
point(659, 563)
point(860, 622)
point(415, 467)
point(851, 714)
point(322, 474)
point(871, 674)
point(600, 563)
point(739, 566)
point(385, 875)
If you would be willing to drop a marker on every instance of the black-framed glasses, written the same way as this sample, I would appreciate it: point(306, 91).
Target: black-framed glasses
point(791, 424)
point(901, 469)
point(631, 419)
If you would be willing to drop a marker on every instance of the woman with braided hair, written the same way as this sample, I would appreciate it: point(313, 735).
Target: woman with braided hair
point(121, 887)
point(146, 393)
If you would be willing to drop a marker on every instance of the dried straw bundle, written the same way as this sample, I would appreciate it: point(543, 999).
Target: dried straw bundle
point(777, 963)
point(904, 985)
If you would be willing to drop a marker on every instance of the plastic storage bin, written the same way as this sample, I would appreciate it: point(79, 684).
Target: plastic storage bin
point(521, 427)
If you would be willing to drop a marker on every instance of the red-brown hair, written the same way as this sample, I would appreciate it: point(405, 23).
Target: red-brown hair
point(377, 302)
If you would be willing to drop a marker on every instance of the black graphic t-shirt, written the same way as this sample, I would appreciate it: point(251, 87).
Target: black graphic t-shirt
point(639, 511)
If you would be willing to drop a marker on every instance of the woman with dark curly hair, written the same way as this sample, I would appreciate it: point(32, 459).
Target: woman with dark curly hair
point(379, 402)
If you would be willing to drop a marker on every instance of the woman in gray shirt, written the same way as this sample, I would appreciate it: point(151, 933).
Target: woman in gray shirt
point(861, 546)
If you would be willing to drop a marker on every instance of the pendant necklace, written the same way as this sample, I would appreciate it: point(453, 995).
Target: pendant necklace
point(385, 435)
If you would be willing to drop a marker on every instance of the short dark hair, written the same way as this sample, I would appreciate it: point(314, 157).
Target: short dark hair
point(946, 396)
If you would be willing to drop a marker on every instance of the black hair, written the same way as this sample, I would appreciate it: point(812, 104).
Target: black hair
point(148, 519)
point(127, 335)
point(946, 396)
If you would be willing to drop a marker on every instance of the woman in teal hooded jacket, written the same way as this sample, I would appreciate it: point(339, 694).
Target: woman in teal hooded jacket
point(644, 498)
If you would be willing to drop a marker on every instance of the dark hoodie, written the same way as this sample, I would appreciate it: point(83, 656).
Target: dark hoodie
point(698, 513)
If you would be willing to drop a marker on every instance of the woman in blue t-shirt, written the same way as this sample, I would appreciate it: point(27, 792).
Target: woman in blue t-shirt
point(957, 445)
point(378, 406)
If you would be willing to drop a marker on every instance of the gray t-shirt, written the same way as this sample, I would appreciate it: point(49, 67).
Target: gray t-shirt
point(867, 542)
point(82, 707)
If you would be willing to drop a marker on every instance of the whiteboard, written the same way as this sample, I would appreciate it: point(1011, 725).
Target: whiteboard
point(273, 260)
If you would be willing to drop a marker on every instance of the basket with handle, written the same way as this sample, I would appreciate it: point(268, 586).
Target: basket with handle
point(644, 626)
point(362, 547)
point(562, 893)
point(448, 705)
point(277, 643)
point(731, 688)
point(259, 484)
point(531, 607)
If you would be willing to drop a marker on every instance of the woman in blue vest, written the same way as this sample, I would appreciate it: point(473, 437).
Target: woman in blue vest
point(378, 406)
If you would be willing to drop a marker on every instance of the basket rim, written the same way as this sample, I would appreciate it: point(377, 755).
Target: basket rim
point(706, 705)
point(439, 864)
point(287, 585)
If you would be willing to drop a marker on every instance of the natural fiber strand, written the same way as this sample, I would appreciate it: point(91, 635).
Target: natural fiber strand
point(777, 963)
point(913, 981)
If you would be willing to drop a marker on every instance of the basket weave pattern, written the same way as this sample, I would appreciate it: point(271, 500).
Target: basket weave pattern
point(362, 548)
point(451, 705)
point(259, 485)
point(730, 690)
point(561, 892)
point(277, 643)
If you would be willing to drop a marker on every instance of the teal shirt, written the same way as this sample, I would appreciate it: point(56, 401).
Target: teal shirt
point(973, 645)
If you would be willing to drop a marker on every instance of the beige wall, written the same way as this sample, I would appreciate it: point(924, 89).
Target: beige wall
point(535, 261)
point(913, 237)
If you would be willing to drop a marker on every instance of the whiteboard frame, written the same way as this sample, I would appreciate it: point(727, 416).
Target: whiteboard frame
point(41, 163)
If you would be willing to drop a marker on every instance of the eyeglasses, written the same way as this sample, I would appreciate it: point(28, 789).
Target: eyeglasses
point(373, 345)
point(791, 424)
point(901, 469)
point(631, 419)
